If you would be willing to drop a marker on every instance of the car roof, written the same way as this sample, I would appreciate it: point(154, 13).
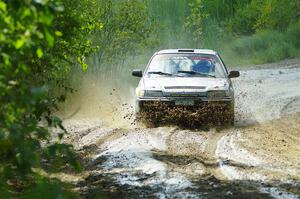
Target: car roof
point(184, 51)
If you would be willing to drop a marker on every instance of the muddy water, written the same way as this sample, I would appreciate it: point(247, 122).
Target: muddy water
point(258, 158)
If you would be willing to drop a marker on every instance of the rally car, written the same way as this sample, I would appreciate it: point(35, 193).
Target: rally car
point(186, 78)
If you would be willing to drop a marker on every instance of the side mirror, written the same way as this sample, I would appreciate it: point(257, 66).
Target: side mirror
point(137, 73)
point(234, 74)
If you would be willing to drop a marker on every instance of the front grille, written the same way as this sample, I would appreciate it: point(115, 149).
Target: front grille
point(185, 94)
point(185, 87)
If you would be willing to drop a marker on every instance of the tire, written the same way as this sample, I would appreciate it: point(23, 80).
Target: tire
point(231, 116)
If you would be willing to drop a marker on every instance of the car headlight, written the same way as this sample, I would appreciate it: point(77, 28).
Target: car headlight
point(149, 93)
point(153, 93)
point(218, 94)
point(140, 93)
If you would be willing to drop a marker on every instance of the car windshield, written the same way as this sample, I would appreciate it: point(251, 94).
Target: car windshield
point(186, 65)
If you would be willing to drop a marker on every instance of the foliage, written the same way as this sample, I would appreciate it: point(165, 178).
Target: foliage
point(48, 189)
point(39, 42)
point(265, 46)
point(126, 30)
point(250, 30)
point(169, 17)
point(194, 22)
point(276, 14)
point(42, 42)
point(243, 21)
point(258, 15)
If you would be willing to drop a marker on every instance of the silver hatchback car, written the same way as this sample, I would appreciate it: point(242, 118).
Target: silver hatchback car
point(187, 78)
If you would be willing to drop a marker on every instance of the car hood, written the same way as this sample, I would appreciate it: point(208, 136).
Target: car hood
point(174, 84)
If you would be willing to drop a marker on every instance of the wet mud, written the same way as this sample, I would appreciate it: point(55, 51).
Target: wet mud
point(202, 116)
point(259, 157)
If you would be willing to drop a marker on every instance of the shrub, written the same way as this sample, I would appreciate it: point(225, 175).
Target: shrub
point(265, 46)
point(39, 42)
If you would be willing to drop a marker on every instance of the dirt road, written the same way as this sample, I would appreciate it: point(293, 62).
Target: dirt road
point(258, 158)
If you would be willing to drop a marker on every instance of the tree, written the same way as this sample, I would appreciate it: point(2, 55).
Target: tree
point(39, 41)
point(126, 30)
point(194, 22)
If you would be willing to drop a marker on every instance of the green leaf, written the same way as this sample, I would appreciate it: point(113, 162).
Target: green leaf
point(84, 66)
point(81, 61)
point(46, 18)
point(18, 158)
point(19, 43)
point(6, 58)
point(58, 33)
point(42, 132)
point(2, 6)
point(49, 38)
point(39, 53)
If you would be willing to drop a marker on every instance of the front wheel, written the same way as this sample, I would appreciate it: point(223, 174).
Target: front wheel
point(231, 116)
point(222, 113)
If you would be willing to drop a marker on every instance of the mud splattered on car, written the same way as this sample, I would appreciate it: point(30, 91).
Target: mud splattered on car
point(204, 115)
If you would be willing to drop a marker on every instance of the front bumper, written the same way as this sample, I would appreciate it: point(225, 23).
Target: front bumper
point(160, 111)
point(171, 101)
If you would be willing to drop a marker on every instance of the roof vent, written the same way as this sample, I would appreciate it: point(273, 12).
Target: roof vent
point(186, 50)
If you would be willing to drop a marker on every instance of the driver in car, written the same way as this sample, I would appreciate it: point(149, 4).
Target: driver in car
point(204, 66)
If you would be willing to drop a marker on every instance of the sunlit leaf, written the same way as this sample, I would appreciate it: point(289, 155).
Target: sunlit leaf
point(49, 38)
point(46, 18)
point(2, 6)
point(81, 61)
point(39, 53)
point(58, 33)
point(19, 43)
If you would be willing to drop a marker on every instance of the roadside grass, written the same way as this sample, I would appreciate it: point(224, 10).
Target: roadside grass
point(263, 47)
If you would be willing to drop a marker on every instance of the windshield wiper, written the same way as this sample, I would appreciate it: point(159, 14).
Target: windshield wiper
point(195, 73)
point(160, 73)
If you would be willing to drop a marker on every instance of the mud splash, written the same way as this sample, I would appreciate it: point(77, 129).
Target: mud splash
point(263, 95)
point(258, 158)
point(103, 99)
point(203, 116)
